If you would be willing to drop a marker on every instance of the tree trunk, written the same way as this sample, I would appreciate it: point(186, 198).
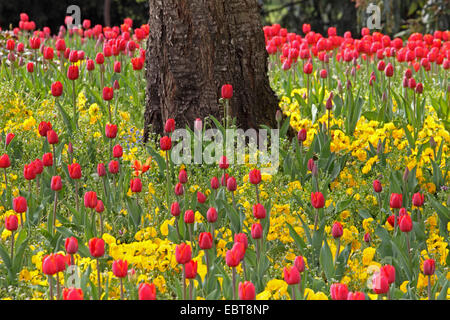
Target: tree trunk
point(196, 46)
point(107, 12)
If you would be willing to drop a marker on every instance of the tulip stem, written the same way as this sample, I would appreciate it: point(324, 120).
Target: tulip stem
point(121, 288)
point(338, 247)
point(191, 284)
point(76, 196)
point(184, 282)
point(101, 224)
point(58, 288)
point(54, 159)
point(207, 263)
point(257, 193)
point(178, 229)
point(316, 219)
point(12, 246)
point(54, 210)
point(98, 278)
point(245, 269)
point(293, 293)
point(168, 180)
point(6, 181)
point(50, 285)
point(429, 288)
point(74, 104)
point(234, 283)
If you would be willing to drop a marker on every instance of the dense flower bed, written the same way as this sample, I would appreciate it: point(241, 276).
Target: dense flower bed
point(358, 208)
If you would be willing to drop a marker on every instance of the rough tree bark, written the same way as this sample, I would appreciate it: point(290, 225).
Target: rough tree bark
point(196, 46)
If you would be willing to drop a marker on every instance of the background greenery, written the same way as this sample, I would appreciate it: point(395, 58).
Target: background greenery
point(399, 17)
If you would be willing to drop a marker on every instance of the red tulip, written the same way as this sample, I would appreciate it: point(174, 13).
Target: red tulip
point(97, 247)
point(74, 171)
point(52, 137)
point(43, 128)
point(233, 258)
point(246, 291)
point(182, 176)
point(71, 245)
point(308, 68)
point(223, 163)
point(211, 215)
point(137, 63)
point(11, 223)
point(201, 198)
point(9, 138)
point(90, 65)
point(73, 72)
point(429, 267)
point(190, 269)
point(136, 185)
point(117, 67)
point(117, 151)
point(317, 200)
point(170, 125)
point(241, 238)
point(175, 209)
point(20, 205)
point(231, 184)
point(30, 67)
point(147, 291)
point(291, 275)
point(214, 183)
point(56, 183)
point(99, 58)
point(101, 170)
point(301, 136)
point(113, 166)
point(72, 294)
point(389, 272)
point(255, 176)
point(405, 223)
point(29, 171)
point(418, 199)
point(337, 230)
point(165, 143)
point(61, 262)
point(49, 266)
point(90, 199)
point(380, 284)
point(120, 268)
point(111, 130)
point(205, 240)
point(100, 207)
point(179, 190)
point(4, 161)
point(299, 263)
point(259, 212)
point(189, 216)
point(47, 159)
point(356, 296)
point(183, 253)
point(227, 91)
point(257, 231)
point(377, 186)
point(339, 291)
point(396, 200)
point(389, 71)
point(108, 93)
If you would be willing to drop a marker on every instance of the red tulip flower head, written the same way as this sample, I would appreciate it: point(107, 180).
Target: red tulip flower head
point(291, 275)
point(396, 200)
point(255, 176)
point(257, 231)
point(317, 200)
point(339, 291)
point(5, 162)
point(337, 231)
point(71, 245)
point(170, 125)
point(147, 291)
point(136, 185)
point(211, 215)
point(120, 268)
point(97, 247)
point(246, 291)
point(299, 263)
point(190, 269)
point(227, 91)
point(72, 294)
point(74, 171)
point(183, 253)
point(56, 183)
point(259, 212)
point(20, 205)
point(165, 143)
point(111, 130)
point(429, 266)
point(405, 223)
point(205, 240)
point(90, 199)
point(11, 223)
point(57, 88)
